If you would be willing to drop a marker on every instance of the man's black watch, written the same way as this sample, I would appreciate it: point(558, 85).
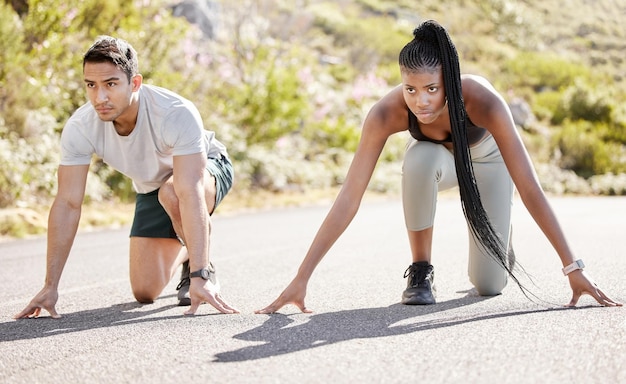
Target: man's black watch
point(204, 273)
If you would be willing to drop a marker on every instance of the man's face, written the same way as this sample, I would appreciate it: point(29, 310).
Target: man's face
point(109, 91)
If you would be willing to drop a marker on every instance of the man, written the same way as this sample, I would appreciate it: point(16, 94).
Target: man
point(179, 170)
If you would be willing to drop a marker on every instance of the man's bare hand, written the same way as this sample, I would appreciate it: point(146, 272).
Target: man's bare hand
point(45, 299)
point(205, 291)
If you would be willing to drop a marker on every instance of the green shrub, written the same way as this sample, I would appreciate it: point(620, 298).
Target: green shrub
point(582, 150)
point(365, 41)
point(28, 164)
point(337, 133)
point(543, 72)
point(18, 89)
point(544, 104)
point(270, 103)
point(580, 102)
point(615, 129)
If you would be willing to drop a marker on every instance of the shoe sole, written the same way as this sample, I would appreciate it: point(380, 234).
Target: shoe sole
point(417, 300)
point(414, 301)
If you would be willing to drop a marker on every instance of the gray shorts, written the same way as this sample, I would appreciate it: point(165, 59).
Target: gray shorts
point(151, 220)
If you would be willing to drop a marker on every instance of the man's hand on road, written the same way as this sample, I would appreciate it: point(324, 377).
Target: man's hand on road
point(204, 291)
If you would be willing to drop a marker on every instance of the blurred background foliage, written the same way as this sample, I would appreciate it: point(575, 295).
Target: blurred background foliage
point(287, 83)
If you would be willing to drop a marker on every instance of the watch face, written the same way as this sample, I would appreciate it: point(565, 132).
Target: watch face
point(204, 273)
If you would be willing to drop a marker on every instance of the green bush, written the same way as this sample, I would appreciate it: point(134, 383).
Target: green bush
point(333, 134)
point(18, 89)
point(28, 164)
point(543, 72)
point(611, 116)
point(582, 150)
point(269, 103)
point(580, 102)
point(365, 41)
point(545, 104)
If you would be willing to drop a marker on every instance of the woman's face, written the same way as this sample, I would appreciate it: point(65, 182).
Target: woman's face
point(424, 93)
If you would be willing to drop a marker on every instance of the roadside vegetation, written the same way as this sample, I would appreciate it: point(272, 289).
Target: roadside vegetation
point(286, 84)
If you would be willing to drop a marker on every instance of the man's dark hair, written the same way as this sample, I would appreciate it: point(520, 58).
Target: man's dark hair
point(115, 51)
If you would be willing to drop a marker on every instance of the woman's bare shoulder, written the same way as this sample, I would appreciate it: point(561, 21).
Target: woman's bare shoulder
point(479, 93)
point(476, 85)
point(390, 112)
point(485, 106)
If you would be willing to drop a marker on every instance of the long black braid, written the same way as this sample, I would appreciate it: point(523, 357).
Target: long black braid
point(431, 48)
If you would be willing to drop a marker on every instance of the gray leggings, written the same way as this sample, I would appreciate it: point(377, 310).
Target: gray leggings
point(429, 168)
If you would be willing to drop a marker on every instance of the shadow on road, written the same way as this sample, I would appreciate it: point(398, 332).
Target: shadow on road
point(115, 315)
point(282, 336)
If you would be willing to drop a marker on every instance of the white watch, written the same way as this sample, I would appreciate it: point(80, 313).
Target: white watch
point(578, 264)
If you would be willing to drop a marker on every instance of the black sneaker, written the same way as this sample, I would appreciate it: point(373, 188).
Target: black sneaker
point(183, 286)
point(420, 287)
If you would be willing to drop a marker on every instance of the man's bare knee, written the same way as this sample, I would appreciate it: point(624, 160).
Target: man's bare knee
point(168, 198)
point(152, 264)
point(144, 296)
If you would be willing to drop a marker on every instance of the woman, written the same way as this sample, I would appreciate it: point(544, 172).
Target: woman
point(463, 135)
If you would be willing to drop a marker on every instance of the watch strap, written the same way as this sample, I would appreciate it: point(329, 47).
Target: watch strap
point(197, 273)
point(578, 264)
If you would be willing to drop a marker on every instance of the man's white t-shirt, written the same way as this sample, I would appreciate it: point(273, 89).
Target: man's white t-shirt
point(167, 125)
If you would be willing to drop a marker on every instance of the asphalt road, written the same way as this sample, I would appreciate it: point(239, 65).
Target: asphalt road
point(359, 333)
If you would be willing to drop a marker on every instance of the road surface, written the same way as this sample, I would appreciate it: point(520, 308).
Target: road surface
point(359, 333)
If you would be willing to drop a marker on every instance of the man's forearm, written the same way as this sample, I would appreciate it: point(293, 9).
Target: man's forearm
point(62, 226)
point(189, 173)
point(195, 222)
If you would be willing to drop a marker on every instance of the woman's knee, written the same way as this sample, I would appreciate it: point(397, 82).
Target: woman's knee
point(420, 160)
point(490, 284)
point(490, 288)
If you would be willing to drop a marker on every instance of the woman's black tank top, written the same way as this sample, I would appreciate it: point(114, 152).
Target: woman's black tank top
point(416, 132)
